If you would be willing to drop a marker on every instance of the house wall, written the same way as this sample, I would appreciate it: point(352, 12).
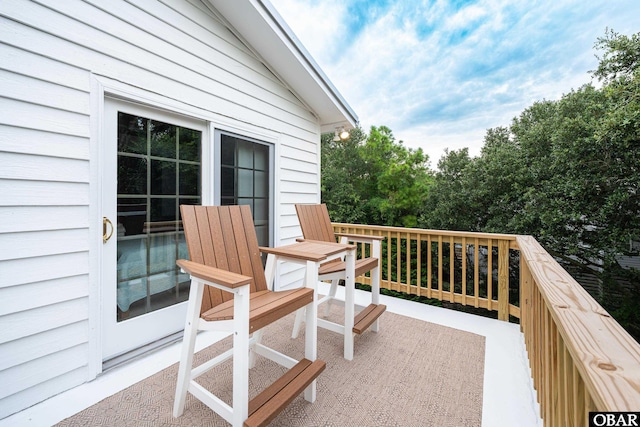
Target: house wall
point(52, 54)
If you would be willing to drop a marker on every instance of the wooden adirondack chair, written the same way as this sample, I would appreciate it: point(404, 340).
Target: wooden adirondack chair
point(316, 225)
point(229, 292)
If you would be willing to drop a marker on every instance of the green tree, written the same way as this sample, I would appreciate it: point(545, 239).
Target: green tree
point(565, 171)
point(373, 179)
point(477, 194)
point(398, 179)
point(450, 204)
point(342, 170)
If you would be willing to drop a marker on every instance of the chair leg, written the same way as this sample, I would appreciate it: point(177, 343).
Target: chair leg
point(269, 272)
point(332, 294)
point(310, 274)
point(241, 356)
point(257, 339)
point(188, 346)
point(334, 283)
point(311, 323)
point(297, 323)
point(349, 302)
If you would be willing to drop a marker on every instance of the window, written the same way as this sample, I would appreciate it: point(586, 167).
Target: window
point(245, 178)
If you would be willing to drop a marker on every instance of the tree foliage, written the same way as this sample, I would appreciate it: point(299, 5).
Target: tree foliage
point(373, 179)
point(565, 171)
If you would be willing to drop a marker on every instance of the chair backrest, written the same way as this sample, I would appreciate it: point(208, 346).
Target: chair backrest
point(223, 237)
point(315, 222)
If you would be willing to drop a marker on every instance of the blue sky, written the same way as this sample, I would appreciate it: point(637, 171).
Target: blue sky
point(439, 73)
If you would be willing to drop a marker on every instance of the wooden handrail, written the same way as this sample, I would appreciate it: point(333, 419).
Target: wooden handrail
point(410, 245)
point(581, 359)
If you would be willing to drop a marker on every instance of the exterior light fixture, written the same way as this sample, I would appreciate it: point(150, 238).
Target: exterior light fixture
point(340, 134)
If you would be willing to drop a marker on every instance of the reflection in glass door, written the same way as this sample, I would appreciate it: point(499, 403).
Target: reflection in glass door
point(158, 168)
point(245, 179)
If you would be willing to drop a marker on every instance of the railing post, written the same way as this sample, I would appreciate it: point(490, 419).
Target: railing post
point(503, 280)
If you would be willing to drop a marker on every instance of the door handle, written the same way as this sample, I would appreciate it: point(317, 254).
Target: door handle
point(106, 222)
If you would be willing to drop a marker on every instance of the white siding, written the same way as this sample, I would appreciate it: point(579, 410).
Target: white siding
point(43, 143)
point(49, 50)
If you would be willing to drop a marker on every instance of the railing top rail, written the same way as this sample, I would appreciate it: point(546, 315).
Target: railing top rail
point(511, 237)
point(607, 357)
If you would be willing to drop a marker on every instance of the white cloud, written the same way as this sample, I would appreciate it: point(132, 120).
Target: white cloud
point(464, 17)
point(440, 76)
point(316, 24)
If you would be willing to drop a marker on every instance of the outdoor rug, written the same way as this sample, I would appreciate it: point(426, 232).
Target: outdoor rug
point(411, 373)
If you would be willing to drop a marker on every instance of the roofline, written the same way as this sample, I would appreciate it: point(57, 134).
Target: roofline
point(304, 53)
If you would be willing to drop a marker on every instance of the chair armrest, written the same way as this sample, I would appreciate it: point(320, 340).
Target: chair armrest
point(292, 253)
point(362, 238)
point(211, 274)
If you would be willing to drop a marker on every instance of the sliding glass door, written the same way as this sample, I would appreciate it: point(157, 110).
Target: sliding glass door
point(152, 164)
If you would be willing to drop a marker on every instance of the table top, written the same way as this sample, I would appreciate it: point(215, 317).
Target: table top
point(314, 250)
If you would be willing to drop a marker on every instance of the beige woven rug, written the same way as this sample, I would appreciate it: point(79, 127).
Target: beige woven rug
point(411, 373)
